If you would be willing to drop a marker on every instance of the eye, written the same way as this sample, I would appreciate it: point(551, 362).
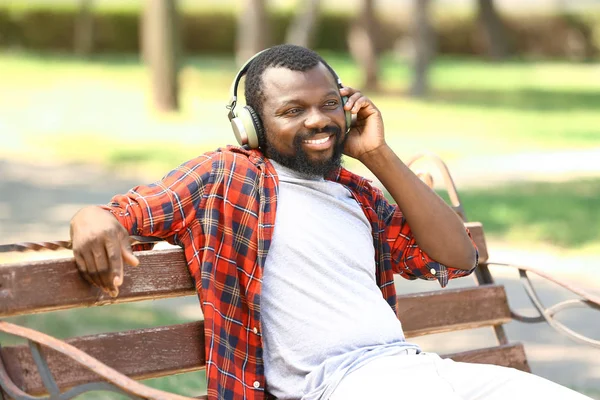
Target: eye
point(292, 111)
point(331, 103)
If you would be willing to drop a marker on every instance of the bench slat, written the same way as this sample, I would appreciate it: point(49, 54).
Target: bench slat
point(154, 352)
point(40, 286)
point(140, 354)
point(172, 358)
point(508, 355)
point(453, 309)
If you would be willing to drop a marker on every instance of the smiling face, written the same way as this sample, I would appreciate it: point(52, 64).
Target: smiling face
point(303, 118)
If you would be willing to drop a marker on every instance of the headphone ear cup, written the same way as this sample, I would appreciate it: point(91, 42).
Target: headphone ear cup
point(239, 130)
point(347, 114)
point(245, 127)
point(256, 137)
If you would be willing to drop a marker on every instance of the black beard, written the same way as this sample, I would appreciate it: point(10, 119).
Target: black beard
point(300, 162)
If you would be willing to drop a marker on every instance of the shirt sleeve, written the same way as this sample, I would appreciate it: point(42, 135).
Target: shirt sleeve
point(164, 208)
point(408, 260)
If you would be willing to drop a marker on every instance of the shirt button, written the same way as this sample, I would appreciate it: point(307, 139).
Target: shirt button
point(256, 384)
point(255, 330)
point(433, 271)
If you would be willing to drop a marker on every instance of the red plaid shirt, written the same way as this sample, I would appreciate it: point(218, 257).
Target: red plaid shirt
point(220, 207)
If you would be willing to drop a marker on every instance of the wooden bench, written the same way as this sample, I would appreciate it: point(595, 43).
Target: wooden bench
point(48, 365)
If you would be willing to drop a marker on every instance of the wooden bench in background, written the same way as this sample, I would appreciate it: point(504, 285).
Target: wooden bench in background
point(79, 364)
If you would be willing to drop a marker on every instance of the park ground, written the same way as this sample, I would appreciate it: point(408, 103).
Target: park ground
point(521, 139)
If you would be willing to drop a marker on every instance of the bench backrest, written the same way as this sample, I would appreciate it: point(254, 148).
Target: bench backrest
point(41, 286)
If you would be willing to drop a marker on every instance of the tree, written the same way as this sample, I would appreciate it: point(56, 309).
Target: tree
point(302, 29)
point(363, 45)
point(252, 29)
point(161, 51)
point(84, 29)
point(493, 30)
point(423, 37)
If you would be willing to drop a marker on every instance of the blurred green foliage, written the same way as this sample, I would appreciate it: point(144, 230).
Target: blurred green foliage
point(212, 29)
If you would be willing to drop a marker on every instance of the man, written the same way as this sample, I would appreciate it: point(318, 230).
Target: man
point(293, 256)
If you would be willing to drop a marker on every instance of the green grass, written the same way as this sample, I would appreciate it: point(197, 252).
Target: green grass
point(562, 214)
point(60, 107)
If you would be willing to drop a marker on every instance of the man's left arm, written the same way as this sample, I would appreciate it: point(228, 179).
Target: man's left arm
point(437, 229)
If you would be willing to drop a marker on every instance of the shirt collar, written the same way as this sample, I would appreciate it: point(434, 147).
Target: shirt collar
point(340, 175)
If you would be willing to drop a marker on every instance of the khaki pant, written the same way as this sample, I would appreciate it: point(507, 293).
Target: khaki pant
point(426, 376)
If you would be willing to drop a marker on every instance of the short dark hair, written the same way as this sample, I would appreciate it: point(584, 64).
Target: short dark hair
point(295, 58)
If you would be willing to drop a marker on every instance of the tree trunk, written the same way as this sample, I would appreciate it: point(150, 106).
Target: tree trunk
point(160, 50)
point(363, 46)
point(145, 33)
point(423, 37)
point(302, 29)
point(252, 30)
point(493, 30)
point(84, 29)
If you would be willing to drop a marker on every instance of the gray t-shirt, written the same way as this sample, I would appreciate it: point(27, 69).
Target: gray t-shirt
point(322, 313)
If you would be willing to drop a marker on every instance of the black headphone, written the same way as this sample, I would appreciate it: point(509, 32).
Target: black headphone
point(246, 125)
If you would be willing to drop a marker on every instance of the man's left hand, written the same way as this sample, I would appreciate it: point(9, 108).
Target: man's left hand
point(366, 134)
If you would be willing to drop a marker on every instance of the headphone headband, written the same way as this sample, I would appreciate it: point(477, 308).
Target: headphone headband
point(236, 81)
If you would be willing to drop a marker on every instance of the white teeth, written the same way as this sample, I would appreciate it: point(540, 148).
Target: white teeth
point(317, 141)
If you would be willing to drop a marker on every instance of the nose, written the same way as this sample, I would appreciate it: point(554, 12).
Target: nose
point(316, 119)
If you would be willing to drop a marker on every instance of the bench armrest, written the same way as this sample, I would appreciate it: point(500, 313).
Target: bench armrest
point(546, 314)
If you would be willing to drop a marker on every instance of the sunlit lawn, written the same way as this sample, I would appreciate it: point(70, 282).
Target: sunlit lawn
point(100, 110)
point(561, 214)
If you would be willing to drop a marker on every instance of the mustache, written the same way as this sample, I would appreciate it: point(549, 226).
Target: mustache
point(335, 130)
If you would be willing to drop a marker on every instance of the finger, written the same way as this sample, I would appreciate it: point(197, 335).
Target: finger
point(115, 266)
point(362, 103)
point(82, 267)
point(346, 91)
point(102, 268)
point(128, 257)
point(352, 101)
point(358, 104)
point(88, 257)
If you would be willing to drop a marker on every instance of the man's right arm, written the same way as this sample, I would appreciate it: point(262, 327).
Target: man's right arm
point(100, 235)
